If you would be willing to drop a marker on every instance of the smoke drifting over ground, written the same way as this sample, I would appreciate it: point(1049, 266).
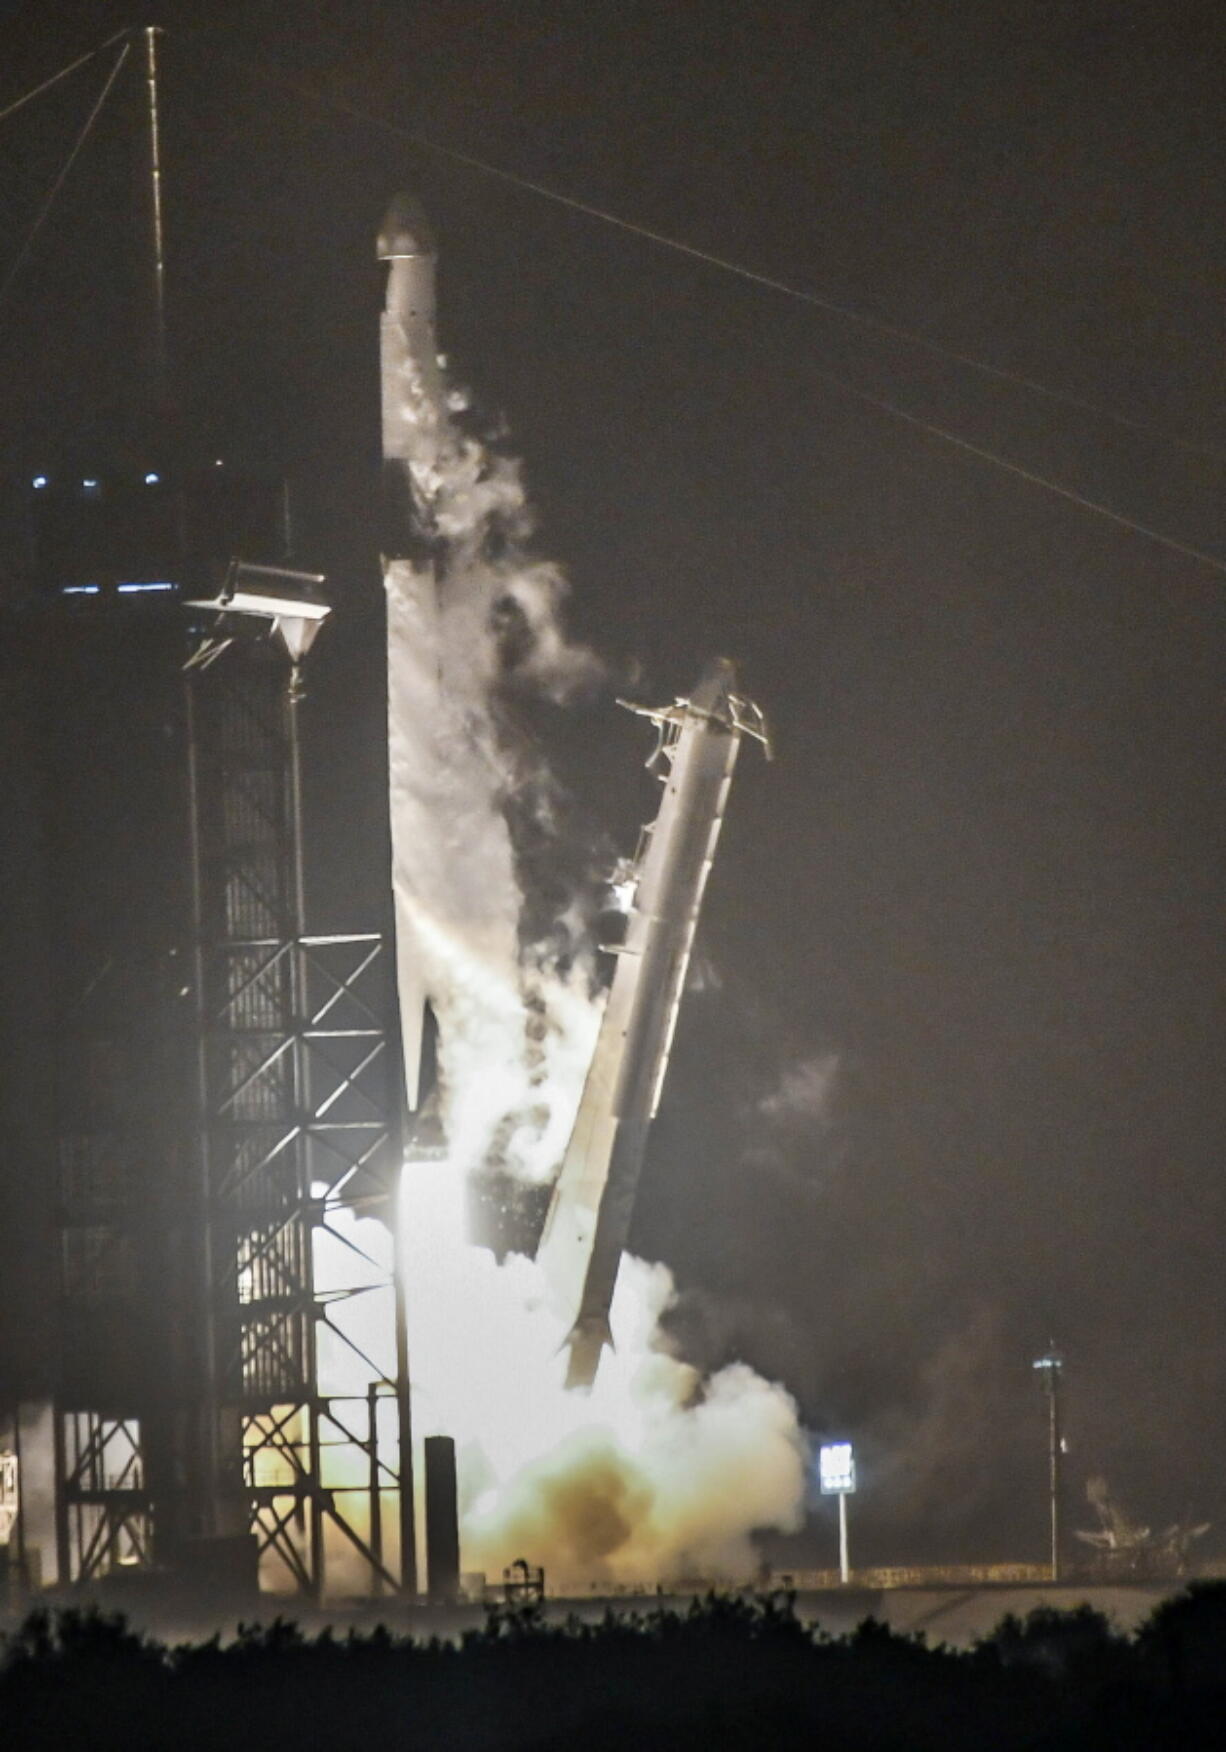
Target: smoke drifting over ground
point(657, 1471)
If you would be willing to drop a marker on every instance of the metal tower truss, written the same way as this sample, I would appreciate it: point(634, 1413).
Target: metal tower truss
point(123, 1058)
point(297, 1169)
point(106, 1519)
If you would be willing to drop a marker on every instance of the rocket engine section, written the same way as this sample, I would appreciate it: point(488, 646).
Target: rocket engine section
point(589, 1216)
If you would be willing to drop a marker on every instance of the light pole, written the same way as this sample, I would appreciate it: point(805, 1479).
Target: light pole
point(836, 1471)
point(1051, 1366)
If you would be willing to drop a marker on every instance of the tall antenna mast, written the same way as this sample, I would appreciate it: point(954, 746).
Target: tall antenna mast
point(160, 364)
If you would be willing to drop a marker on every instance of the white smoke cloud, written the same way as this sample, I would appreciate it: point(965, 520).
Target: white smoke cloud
point(797, 1125)
point(655, 1473)
point(803, 1098)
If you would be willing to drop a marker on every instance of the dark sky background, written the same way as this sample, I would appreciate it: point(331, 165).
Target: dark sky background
point(953, 1083)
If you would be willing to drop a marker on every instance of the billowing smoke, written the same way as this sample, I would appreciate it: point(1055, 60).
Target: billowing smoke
point(658, 1470)
point(796, 1124)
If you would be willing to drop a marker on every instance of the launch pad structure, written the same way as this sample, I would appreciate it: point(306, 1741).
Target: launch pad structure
point(296, 1124)
point(218, 1453)
point(230, 1087)
point(230, 1107)
point(227, 1108)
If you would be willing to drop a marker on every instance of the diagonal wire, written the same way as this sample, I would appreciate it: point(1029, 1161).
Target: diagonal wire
point(1026, 474)
point(20, 258)
point(1031, 476)
point(804, 295)
point(63, 73)
point(944, 435)
point(801, 294)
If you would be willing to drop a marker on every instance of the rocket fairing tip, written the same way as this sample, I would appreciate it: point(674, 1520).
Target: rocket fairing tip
point(405, 230)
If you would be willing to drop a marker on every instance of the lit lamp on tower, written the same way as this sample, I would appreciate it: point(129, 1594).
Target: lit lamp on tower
point(836, 1472)
point(290, 601)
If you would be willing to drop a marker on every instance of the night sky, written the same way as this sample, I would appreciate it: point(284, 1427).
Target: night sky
point(952, 1083)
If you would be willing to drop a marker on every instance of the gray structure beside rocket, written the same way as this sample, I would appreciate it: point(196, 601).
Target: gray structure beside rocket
point(588, 1222)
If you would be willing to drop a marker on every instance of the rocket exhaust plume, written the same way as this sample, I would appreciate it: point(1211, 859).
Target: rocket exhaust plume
point(656, 1470)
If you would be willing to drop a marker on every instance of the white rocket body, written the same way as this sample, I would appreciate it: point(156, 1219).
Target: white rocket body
point(588, 1222)
point(453, 870)
point(413, 408)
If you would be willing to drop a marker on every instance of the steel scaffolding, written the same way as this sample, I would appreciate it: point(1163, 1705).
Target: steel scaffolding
point(234, 1369)
point(296, 1155)
point(115, 843)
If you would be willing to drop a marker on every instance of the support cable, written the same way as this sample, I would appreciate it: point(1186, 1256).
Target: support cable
point(723, 264)
point(801, 294)
point(1215, 561)
point(804, 295)
point(158, 235)
point(81, 61)
point(20, 258)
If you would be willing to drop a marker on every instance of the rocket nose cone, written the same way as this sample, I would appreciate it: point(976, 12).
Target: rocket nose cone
point(405, 230)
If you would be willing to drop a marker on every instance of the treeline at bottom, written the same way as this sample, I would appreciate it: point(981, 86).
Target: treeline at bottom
point(728, 1672)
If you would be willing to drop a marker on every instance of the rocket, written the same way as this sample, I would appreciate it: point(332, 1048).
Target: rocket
point(588, 1220)
point(453, 871)
point(453, 901)
point(414, 426)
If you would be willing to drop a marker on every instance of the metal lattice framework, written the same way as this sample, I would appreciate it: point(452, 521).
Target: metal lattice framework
point(234, 1359)
point(302, 1435)
point(123, 1057)
point(107, 1519)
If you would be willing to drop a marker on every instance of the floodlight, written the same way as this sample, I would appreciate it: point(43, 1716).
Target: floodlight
point(271, 591)
point(836, 1472)
point(290, 600)
point(836, 1468)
